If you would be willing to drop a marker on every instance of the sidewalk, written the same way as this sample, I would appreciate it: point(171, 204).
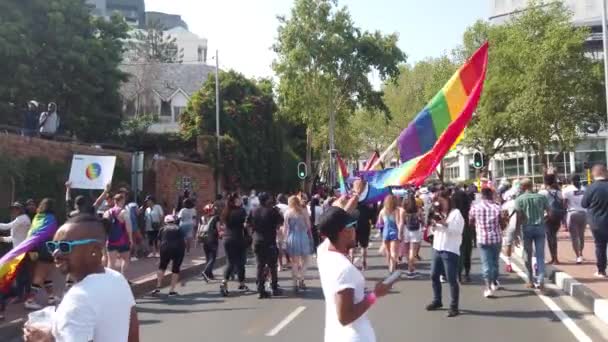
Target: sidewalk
point(141, 272)
point(578, 280)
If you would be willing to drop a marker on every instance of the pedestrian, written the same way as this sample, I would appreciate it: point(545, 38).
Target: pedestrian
point(253, 202)
point(120, 236)
point(48, 123)
point(314, 212)
point(45, 220)
point(172, 245)
point(447, 225)
point(134, 212)
point(511, 237)
point(153, 214)
point(531, 208)
point(390, 221)
point(299, 241)
point(468, 235)
point(576, 220)
point(265, 221)
point(100, 306)
point(30, 119)
point(412, 233)
point(187, 222)
point(235, 244)
point(346, 302)
point(555, 214)
point(281, 236)
point(19, 227)
point(210, 237)
point(595, 201)
point(485, 216)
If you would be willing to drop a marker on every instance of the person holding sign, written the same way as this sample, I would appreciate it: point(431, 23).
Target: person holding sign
point(346, 303)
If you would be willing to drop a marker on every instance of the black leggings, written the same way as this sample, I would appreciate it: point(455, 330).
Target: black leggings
point(173, 255)
point(552, 227)
point(235, 252)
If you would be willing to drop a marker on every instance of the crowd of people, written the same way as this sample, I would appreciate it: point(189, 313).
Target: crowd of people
point(286, 231)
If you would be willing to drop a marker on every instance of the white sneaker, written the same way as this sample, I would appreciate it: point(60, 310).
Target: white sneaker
point(579, 260)
point(32, 305)
point(442, 279)
point(487, 293)
point(599, 275)
point(495, 287)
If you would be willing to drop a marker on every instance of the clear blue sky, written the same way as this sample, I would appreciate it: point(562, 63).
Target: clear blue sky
point(244, 30)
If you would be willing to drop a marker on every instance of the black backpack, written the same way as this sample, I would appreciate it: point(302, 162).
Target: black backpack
point(557, 211)
point(413, 222)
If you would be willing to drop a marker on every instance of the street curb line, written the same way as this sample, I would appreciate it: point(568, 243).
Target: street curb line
point(569, 285)
point(14, 329)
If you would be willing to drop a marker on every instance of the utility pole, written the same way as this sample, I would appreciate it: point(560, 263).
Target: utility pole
point(332, 149)
point(605, 46)
point(217, 123)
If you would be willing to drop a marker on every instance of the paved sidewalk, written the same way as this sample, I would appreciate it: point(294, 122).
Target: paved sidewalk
point(141, 272)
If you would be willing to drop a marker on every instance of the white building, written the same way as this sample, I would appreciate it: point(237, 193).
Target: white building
point(193, 46)
point(162, 89)
point(514, 161)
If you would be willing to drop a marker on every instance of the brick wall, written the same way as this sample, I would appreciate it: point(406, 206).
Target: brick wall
point(21, 147)
point(173, 176)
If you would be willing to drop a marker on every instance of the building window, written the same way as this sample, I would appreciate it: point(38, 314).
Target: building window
point(177, 112)
point(165, 111)
point(452, 172)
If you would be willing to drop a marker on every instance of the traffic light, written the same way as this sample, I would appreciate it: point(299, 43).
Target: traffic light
point(478, 160)
point(586, 165)
point(302, 170)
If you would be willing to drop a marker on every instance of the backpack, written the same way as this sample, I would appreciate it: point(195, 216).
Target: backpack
point(203, 234)
point(557, 212)
point(116, 233)
point(413, 222)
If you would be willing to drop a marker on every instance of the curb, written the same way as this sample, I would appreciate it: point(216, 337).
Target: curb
point(14, 329)
point(572, 287)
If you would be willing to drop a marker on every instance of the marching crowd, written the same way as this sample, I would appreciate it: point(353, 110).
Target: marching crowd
point(287, 231)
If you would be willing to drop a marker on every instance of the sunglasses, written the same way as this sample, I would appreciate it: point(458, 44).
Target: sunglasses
point(351, 225)
point(65, 247)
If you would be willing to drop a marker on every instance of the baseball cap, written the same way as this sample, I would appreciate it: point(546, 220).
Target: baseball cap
point(16, 205)
point(170, 219)
point(334, 220)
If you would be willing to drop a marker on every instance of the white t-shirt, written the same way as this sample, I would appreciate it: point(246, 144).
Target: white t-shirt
point(187, 216)
point(574, 197)
point(154, 214)
point(338, 273)
point(449, 238)
point(98, 308)
point(19, 228)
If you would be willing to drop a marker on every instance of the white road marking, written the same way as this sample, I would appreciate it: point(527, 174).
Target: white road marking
point(578, 333)
point(286, 321)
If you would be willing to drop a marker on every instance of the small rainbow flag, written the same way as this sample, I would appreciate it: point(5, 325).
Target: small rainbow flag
point(438, 126)
point(342, 175)
point(43, 229)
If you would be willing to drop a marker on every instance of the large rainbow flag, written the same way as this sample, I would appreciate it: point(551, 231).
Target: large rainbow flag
point(43, 229)
point(435, 130)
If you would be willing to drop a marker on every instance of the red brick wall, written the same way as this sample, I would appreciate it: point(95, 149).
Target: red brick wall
point(21, 147)
point(170, 176)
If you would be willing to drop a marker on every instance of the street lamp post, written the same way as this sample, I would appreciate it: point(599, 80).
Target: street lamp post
point(217, 122)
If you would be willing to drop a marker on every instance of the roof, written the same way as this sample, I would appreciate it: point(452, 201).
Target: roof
point(165, 78)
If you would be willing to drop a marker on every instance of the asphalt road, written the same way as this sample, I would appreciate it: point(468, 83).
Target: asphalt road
point(518, 314)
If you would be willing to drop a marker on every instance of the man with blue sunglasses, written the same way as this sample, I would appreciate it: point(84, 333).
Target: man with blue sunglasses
point(100, 306)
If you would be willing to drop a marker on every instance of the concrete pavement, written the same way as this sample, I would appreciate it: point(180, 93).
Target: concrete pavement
point(518, 314)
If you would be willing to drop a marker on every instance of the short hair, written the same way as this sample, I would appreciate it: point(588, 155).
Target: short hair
point(90, 219)
point(526, 184)
point(80, 201)
point(487, 193)
point(550, 179)
point(188, 203)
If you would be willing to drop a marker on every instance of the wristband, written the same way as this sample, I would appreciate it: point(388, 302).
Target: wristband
point(371, 298)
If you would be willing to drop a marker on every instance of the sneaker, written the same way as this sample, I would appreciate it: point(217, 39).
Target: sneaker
point(453, 312)
point(579, 260)
point(31, 304)
point(442, 279)
point(243, 287)
point(488, 293)
point(156, 291)
point(264, 295)
point(599, 275)
point(53, 300)
point(496, 286)
point(509, 268)
point(173, 294)
point(224, 289)
point(302, 285)
point(434, 306)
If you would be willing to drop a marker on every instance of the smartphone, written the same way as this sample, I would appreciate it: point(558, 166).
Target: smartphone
point(392, 278)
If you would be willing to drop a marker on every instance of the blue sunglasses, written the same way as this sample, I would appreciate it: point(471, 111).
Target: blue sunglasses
point(65, 247)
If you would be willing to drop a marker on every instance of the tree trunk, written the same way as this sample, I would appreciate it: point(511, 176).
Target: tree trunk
point(308, 181)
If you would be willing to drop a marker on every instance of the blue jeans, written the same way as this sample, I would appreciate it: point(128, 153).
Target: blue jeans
point(445, 263)
point(534, 234)
point(489, 262)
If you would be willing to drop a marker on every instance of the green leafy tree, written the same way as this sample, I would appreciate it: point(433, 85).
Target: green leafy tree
point(256, 148)
point(323, 62)
point(153, 45)
point(54, 50)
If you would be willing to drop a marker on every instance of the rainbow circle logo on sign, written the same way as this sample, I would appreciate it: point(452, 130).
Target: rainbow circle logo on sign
point(93, 171)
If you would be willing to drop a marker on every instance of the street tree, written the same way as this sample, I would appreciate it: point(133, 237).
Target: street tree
point(56, 51)
point(154, 45)
point(323, 62)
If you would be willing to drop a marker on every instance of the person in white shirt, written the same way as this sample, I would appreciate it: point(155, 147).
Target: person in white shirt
point(577, 216)
point(281, 238)
point(49, 122)
point(187, 222)
point(346, 302)
point(153, 216)
point(100, 306)
point(447, 225)
point(19, 226)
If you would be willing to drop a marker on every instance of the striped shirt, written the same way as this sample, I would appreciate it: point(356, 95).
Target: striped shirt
point(486, 216)
point(533, 207)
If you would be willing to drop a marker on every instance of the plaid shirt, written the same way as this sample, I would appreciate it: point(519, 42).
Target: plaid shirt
point(486, 215)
